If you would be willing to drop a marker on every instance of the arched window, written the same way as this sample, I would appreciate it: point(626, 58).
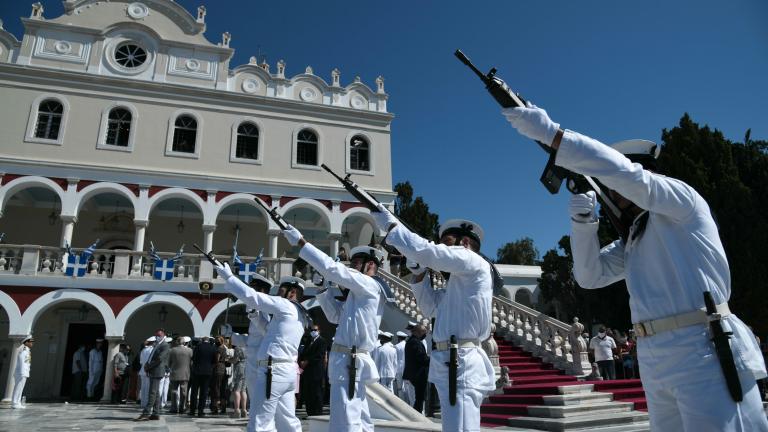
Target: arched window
point(119, 127)
point(247, 141)
point(184, 134)
point(306, 148)
point(359, 153)
point(49, 115)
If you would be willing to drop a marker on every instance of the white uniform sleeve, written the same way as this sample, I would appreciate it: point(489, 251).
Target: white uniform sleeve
point(427, 298)
point(330, 306)
point(355, 281)
point(652, 192)
point(256, 300)
point(434, 256)
point(592, 267)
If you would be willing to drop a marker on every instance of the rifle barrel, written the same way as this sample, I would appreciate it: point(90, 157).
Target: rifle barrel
point(464, 59)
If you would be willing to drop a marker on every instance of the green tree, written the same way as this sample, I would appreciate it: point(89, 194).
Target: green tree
point(521, 252)
point(415, 212)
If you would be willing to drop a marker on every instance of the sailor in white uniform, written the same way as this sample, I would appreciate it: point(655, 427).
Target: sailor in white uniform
point(358, 319)
point(669, 257)
point(386, 361)
point(279, 347)
point(144, 355)
point(257, 328)
point(95, 368)
point(462, 310)
point(21, 372)
point(400, 348)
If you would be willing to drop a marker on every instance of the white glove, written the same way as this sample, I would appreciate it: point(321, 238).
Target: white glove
point(292, 235)
point(415, 268)
point(582, 207)
point(224, 271)
point(384, 219)
point(532, 122)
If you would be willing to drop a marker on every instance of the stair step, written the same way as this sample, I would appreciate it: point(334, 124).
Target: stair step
point(533, 372)
point(551, 388)
point(497, 419)
point(634, 427)
point(525, 365)
point(629, 393)
point(549, 378)
point(639, 404)
point(588, 409)
point(584, 422)
point(519, 399)
point(576, 398)
point(614, 384)
point(505, 408)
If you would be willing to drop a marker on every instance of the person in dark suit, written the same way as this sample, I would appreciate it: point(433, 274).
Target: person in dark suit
point(155, 368)
point(417, 364)
point(203, 359)
point(313, 361)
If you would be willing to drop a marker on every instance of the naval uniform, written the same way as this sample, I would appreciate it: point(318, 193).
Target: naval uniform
point(667, 267)
point(257, 328)
point(461, 309)
point(386, 363)
point(358, 320)
point(281, 342)
point(20, 375)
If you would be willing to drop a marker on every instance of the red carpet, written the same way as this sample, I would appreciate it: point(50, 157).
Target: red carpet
point(531, 379)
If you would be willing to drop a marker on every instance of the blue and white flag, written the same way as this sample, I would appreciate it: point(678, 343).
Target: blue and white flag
point(77, 265)
point(246, 270)
point(164, 267)
point(235, 257)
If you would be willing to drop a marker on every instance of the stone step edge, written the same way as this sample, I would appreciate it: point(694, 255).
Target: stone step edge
point(575, 398)
point(580, 422)
point(580, 410)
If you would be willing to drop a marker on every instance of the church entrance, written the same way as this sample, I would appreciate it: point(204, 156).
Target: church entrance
point(80, 334)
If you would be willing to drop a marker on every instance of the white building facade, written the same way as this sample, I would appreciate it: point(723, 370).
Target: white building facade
point(122, 122)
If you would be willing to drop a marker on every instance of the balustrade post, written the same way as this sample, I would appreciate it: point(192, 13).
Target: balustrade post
point(30, 260)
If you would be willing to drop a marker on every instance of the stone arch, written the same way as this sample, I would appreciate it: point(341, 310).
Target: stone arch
point(355, 211)
point(310, 204)
point(104, 187)
point(161, 297)
point(21, 183)
point(180, 193)
point(46, 301)
point(14, 315)
point(214, 313)
point(524, 297)
point(239, 198)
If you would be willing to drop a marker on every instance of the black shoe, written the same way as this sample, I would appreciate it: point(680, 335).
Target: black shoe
point(142, 417)
point(154, 417)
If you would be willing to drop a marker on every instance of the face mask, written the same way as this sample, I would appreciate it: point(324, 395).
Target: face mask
point(314, 334)
point(602, 334)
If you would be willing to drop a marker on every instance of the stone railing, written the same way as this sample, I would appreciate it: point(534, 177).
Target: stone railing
point(33, 260)
point(554, 341)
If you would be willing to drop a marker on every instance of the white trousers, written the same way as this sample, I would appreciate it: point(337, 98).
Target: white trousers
point(93, 381)
point(144, 391)
point(164, 383)
point(408, 394)
point(389, 383)
point(465, 415)
point(276, 413)
point(685, 387)
point(18, 389)
point(349, 415)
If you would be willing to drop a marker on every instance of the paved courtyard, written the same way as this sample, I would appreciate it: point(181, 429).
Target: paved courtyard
point(97, 417)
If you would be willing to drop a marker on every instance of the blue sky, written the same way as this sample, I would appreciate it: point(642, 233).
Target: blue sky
point(612, 70)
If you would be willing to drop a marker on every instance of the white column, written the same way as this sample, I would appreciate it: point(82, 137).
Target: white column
point(12, 367)
point(334, 247)
point(67, 228)
point(208, 231)
point(140, 230)
point(109, 371)
point(273, 236)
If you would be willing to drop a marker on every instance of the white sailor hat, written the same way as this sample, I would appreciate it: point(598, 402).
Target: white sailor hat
point(462, 227)
point(168, 339)
point(381, 333)
point(99, 340)
point(287, 280)
point(387, 334)
point(186, 339)
point(150, 339)
point(370, 251)
point(401, 334)
point(28, 339)
point(640, 151)
point(411, 325)
point(259, 281)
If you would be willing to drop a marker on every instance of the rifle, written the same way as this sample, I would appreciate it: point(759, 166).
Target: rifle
point(364, 198)
point(552, 177)
point(723, 348)
point(273, 214)
point(208, 255)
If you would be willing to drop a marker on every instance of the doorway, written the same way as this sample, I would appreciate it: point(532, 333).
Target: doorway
point(85, 334)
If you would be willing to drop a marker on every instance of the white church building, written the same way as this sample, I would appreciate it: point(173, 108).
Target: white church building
point(122, 122)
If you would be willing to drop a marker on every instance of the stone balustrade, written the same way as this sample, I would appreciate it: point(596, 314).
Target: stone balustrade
point(34, 260)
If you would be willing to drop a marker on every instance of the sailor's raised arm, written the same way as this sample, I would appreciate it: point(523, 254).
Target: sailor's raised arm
point(427, 298)
point(252, 298)
point(338, 273)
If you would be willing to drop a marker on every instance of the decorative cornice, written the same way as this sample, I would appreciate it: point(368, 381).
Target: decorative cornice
point(172, 10)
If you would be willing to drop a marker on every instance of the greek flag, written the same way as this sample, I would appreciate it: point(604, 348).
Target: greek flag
point(247, 271)
point(77, 265)
point(164, 269)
